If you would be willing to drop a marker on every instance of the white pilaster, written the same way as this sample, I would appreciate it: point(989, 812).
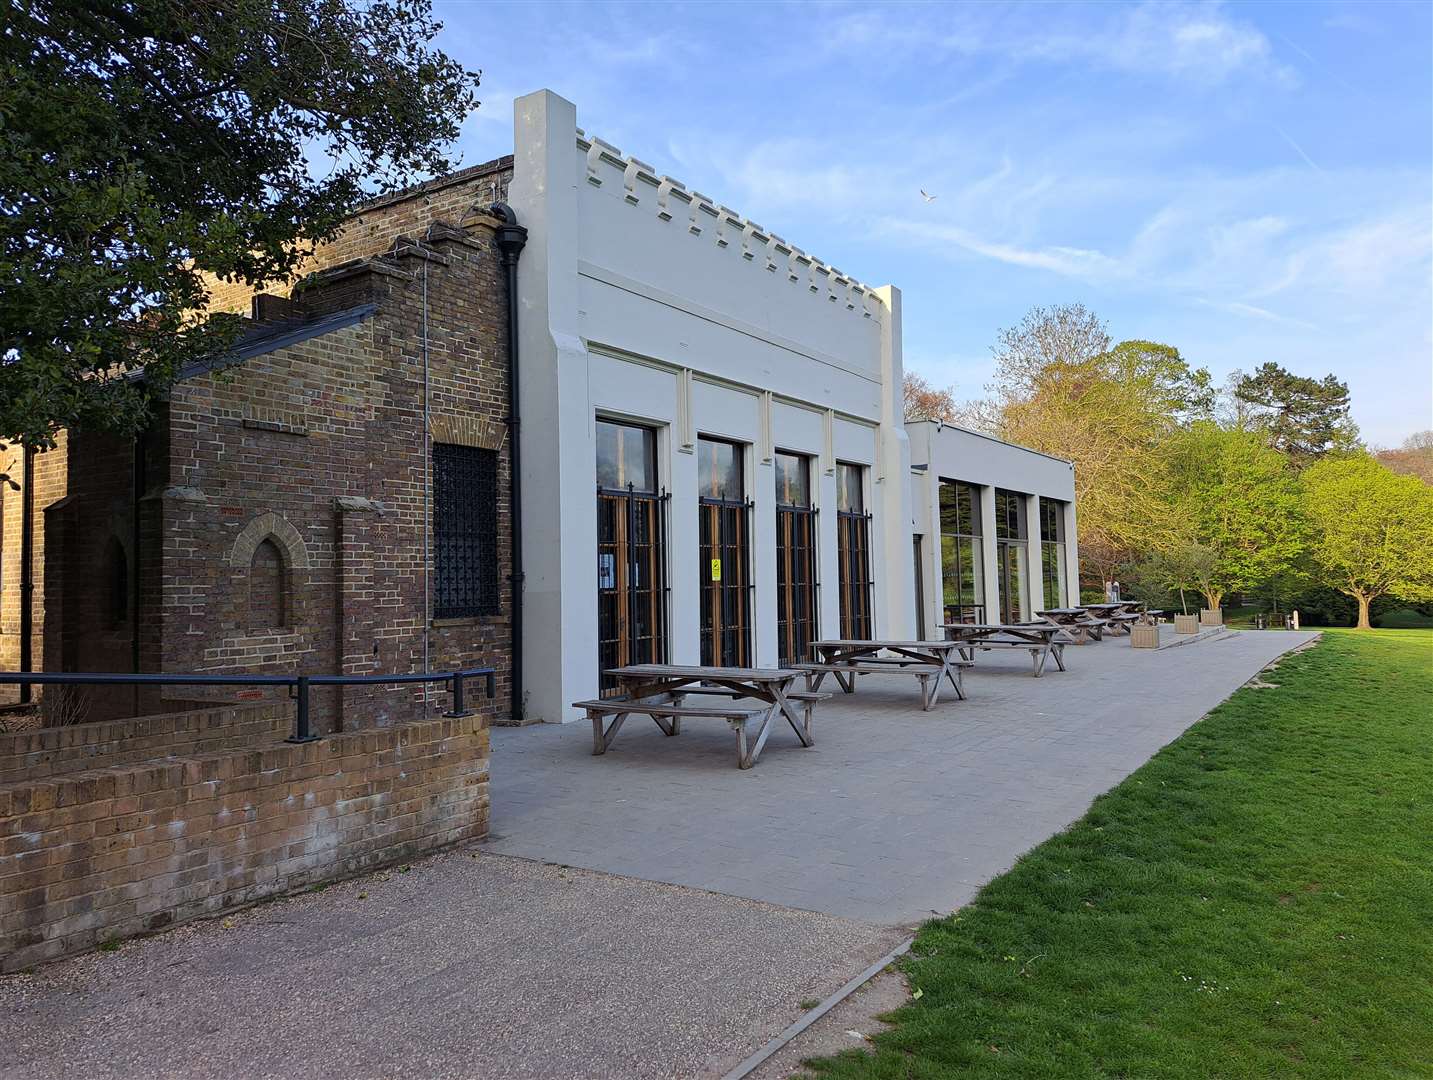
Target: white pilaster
point(987, 547)
point(1034, 580)
point(557, 432)
point(892, 566)
point(1072, 555)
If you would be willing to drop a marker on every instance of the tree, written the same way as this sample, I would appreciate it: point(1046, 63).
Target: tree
point(1064, 334)
point(1184, 565)
point(1373, 530)
point(1305, 418)
point(1061, 388)
point(144, 143)
point(1413, 458)
point(1232, 494)
point(925, 402)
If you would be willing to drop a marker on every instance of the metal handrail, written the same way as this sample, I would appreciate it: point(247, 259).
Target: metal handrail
point(300, 684)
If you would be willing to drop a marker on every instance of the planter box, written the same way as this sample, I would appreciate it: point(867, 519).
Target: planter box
point(1186, 624)
point(1144, 637)
point(1211, 616)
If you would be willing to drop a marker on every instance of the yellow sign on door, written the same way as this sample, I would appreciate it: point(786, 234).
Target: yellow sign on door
point(716, 569)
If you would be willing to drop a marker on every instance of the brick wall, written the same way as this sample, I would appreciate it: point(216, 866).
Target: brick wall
point(320, 445)
point(51, 478)
point(377, 224)
point(35, 755)
point(105, 853)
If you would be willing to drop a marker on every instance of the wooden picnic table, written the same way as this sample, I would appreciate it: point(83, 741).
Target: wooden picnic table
point(1122, 614)
point(928, 661)
point(1078, 624)
point(660, 690)
point(1043, 640)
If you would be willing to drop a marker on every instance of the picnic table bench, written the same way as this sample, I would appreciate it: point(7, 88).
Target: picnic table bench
point(1041, 639)
point(1121, 614)
point(752, 698)
point(929, 661)
point(1078, 624)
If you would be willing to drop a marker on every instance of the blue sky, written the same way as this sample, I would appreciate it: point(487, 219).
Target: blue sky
point(1247, 183)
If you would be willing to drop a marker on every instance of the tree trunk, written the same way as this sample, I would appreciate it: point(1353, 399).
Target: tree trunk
point(1212, 598)
point(1363, 602)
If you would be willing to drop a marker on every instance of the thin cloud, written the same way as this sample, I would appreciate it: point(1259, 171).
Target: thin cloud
point(1298, 149)
point(1190, 42)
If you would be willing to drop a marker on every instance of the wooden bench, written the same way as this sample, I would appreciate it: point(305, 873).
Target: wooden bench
point(668, 716)
point(845, 674)
point(1038, 652)
point(808, 699)
point(1079, 625)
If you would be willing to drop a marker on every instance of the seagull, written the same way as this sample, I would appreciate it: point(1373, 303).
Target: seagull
point(927, 197)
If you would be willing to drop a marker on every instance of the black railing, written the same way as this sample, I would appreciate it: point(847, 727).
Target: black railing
point(298, 684)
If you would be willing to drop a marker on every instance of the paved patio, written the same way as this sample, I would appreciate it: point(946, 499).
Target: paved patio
point(476, 964)
point(895, 814)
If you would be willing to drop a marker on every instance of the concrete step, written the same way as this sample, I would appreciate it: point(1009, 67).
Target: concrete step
point(1206, 633)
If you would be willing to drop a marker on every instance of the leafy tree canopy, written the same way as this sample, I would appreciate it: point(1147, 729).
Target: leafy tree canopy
point(145, 142)
point(924, 401)
point(1413, 458)
point(1230, 493)
point(1062, 387)
point(1305, 418)
point(1373, 530)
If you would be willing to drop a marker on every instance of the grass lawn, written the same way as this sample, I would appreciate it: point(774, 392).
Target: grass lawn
point(1256, 901)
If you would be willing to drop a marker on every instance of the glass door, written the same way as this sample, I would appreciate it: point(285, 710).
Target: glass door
point(631, 551)
point(795, 558)
point(853, 551)
point(724, 563)
point(1010, 554)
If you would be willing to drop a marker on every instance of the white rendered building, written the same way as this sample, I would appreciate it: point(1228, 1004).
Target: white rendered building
point(715, 467)
point(994, 528)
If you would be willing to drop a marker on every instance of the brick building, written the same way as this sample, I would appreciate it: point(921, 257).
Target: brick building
point(276, 516)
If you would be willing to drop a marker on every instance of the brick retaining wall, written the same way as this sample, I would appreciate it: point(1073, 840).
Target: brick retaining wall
point(133, 847)
point(34, 755)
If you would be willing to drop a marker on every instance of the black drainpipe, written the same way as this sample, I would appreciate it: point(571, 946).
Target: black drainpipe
point(27, 571)
point(510, 239)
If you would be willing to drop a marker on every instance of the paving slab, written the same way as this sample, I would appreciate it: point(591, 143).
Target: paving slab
point(895, 814)
point(467, 965)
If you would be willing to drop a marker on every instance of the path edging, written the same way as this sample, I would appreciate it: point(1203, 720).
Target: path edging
point(747, 1067)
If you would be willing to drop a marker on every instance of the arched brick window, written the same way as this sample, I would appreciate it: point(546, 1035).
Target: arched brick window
point(116, 570)
point(268, 588)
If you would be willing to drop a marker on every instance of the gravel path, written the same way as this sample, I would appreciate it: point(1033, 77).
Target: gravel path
point(467, 965)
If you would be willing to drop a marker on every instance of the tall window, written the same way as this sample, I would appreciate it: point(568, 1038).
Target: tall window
point(1052, 551)
point(853, 551)
point(724, 560)
point(1010, 553)
point(268, 588)
point(795, 558)
point(466, 578)
point(631, 550)
point(962, 558)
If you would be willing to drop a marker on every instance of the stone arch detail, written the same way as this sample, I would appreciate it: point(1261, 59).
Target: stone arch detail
point(269, 526)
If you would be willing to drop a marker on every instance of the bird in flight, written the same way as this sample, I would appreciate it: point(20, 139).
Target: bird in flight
point(927, 196)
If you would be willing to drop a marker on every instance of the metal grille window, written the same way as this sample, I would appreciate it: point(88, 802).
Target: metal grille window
point(724, 559)
point(853, 552)
point(962, 558)
point(795, 558)
point(631, 551)
point(466, 580)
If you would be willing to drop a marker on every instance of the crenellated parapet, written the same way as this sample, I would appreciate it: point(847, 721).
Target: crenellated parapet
point(703, 220)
